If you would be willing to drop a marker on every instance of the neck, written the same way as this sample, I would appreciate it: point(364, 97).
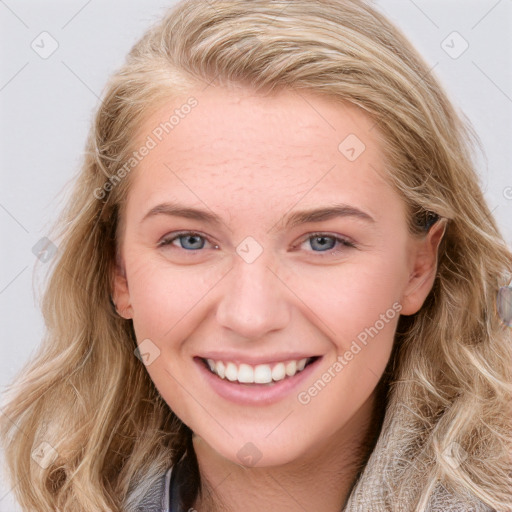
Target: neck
point(320, 480)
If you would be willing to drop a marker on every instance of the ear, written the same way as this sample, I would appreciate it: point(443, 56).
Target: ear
point(424, 255)
point(121, 292)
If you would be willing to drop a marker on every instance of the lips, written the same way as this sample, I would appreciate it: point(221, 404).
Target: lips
point(244, 391)
point(264, 373)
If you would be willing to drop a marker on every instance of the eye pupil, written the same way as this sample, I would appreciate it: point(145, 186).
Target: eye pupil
point(187, 238)
point(322, 241)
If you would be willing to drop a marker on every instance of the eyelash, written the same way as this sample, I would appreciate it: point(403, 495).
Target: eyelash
point(344, 242)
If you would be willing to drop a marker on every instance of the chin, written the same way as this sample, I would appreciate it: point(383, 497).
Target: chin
point(240, 450)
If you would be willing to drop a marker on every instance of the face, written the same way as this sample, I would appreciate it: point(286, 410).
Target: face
point(264, 261)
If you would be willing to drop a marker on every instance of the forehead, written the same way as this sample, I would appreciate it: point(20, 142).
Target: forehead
point(236, 147)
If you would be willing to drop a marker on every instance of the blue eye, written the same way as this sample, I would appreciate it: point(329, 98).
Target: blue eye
point(320, 242)
point(189, 240)
point(327, 243)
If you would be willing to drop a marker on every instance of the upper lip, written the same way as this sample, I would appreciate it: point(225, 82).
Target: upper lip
point(252, 360)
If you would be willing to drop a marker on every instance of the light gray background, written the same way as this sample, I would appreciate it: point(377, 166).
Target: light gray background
point(47, 105)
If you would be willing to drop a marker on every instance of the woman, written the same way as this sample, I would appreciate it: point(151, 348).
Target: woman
point(277, 283)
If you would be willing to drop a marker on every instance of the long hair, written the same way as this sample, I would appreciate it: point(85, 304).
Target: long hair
point(87, 404)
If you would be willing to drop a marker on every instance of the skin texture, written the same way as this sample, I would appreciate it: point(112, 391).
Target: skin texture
point(253, 160)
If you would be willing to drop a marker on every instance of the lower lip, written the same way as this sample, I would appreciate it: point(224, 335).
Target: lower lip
point(255, 394)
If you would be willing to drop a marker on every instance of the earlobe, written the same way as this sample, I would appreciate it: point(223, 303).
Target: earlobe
point(424, 269)
point(121, 292)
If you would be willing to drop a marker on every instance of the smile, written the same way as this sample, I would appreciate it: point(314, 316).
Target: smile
point(257, 374)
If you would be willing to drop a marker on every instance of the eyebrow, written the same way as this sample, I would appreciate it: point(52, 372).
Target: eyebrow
point(176, 210)
point(326, 213)
point(290, 221)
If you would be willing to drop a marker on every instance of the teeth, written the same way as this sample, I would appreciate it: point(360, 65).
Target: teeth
point(245, 373)
point(291, 368)
point(221, 369)
point(262, 374)
point(259, 374)
point(278, 372)
point(231, 372)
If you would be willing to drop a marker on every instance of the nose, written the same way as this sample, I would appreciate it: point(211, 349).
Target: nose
point(253, 301)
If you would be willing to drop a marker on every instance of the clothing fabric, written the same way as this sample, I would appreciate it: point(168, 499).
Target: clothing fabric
point(163, 497)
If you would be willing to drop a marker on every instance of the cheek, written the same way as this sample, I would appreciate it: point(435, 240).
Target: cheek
point(347, 298)
point(359, 311)
point(163, 296)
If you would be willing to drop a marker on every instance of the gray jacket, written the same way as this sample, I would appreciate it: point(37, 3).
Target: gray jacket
point(162, 499)
point(158, 499)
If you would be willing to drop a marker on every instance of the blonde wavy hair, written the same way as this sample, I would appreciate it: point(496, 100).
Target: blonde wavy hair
point(87, 395)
